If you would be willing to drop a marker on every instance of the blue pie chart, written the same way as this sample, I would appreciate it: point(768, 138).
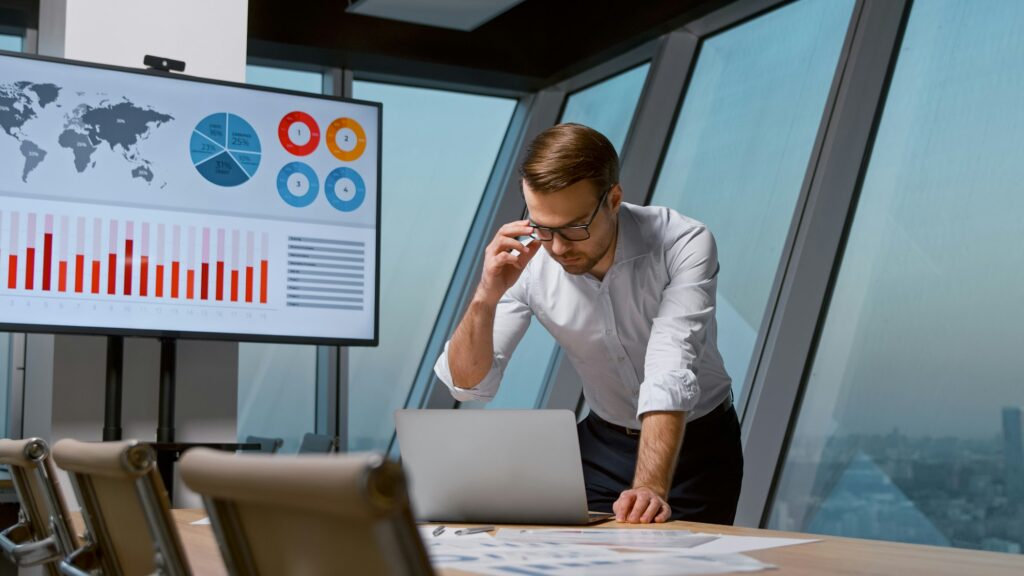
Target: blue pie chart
point(345, 189)
point(225, 149)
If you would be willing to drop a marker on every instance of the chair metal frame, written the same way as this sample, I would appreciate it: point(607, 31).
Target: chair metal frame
point(98, 555)
point(18, 541)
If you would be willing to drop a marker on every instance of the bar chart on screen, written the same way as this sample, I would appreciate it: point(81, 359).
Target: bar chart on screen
point(53, 255)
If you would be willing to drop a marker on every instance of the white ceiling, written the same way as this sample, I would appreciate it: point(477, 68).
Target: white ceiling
point(462, 15)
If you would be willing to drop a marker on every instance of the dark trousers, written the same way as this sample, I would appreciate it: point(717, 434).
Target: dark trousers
point(706, 483)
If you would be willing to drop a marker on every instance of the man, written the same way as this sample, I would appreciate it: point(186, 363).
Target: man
point(629, 294)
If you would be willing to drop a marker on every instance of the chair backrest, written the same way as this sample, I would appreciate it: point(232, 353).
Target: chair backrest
point(124, 507)
point(267, 445)
point(312, 514)
point(44, 534)
point(317, 444)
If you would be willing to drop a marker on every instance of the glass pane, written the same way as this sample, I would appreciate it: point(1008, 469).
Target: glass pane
point(5, 382)
point(607, 107)
point(276, 392)
point(11, 43)
point(285, 78)
point(439, 150)
point(740, 150)
point(277, 383)
point(910, 426)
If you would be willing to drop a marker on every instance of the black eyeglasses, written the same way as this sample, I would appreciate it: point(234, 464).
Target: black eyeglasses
point(570, 233)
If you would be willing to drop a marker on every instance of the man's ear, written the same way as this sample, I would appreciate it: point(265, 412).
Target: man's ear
point(615, 197)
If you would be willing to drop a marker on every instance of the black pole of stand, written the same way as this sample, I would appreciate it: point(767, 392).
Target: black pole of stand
point(168, 357)
point(165, 419)
point(115, 373)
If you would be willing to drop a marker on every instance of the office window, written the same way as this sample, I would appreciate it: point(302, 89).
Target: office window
point(740, 149)
point(607, 107)
point(12, 43)
point(285, 78)
point(910, 425)
point(277, 383)
point(439, 150)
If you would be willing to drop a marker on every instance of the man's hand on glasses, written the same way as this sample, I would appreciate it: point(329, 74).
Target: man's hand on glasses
point(502, 266)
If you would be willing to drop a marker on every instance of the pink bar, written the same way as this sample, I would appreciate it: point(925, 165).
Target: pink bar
point(47, 251)
point(62, 256)
point(205, 275)
point(144, 261)
point(220, 264)
point(12, 265)
point(30, 253)
point(160, 237)
point(112, 258)
point(129, 256)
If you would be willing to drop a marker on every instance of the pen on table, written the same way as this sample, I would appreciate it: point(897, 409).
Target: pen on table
point(477, 530)
point(438, 531)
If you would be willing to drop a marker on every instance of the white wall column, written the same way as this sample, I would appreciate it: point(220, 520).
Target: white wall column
point(65, 375)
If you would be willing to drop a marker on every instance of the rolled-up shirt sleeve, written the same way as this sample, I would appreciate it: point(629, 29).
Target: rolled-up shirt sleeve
point(679, 331)
point(511, 319)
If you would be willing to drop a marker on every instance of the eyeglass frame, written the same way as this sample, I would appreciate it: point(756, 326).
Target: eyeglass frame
point(558, 229)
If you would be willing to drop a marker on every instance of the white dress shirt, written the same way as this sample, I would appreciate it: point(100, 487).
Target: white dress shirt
point(642, 339)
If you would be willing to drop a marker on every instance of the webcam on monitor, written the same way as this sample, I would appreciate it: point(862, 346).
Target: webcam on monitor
point(163, 64)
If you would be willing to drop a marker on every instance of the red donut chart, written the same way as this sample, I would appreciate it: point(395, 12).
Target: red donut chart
point(284, 133)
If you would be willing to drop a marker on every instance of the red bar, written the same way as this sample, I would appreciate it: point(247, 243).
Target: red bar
point(144, 275)
point(47, 259)
point(190, 280)
point(79, 272)
point(62, 276)
point(234, 285)
point(220, 280)
point(248, 283)
point(95, 276)
point(175, 268)
point(111, 273)
point(204, 287)
point(30, 267)
point(12, 271)
point(263, 281)
point(128, 266)
point(159, 280)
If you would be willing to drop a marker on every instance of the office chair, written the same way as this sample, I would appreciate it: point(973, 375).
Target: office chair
point(125, 510)
point(267, 445)
point(43, 534)
point(317, 444)
point(315, 515)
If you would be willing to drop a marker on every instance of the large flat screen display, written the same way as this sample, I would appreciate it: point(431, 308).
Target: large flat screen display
point(147, 203)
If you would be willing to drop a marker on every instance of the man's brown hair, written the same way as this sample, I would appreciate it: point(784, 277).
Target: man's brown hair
point(566, 154)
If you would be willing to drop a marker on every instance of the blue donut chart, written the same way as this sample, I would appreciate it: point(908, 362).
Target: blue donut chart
point(332, 196)
point(282, 184)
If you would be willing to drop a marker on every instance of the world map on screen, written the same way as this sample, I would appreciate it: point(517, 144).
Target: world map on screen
point(93, 123)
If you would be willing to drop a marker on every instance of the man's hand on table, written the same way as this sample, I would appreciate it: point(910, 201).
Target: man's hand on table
point(641, 506)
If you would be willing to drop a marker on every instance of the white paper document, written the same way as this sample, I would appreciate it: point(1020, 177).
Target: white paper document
point(616, 537)
point(725, 544)
point(201, 522)
point(532, 558)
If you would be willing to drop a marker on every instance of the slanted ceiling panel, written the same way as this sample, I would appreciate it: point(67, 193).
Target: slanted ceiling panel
point(462, 15)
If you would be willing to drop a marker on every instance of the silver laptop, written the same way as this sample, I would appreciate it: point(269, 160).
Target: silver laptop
point(494, 466)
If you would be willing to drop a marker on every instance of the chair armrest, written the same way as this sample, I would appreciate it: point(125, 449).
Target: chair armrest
point(18, 545)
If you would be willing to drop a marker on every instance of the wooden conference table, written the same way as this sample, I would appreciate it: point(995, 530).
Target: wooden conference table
point(830, 556)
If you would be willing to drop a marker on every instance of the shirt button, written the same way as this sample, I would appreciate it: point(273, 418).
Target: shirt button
point(621, 358)
point(608, 332)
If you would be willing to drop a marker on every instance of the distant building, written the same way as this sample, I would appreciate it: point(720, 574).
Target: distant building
point(1013, 451)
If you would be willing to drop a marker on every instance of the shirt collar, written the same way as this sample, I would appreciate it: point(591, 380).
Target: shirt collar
point(632, 241)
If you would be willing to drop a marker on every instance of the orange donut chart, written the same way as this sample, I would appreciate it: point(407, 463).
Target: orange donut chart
point(332, 142)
